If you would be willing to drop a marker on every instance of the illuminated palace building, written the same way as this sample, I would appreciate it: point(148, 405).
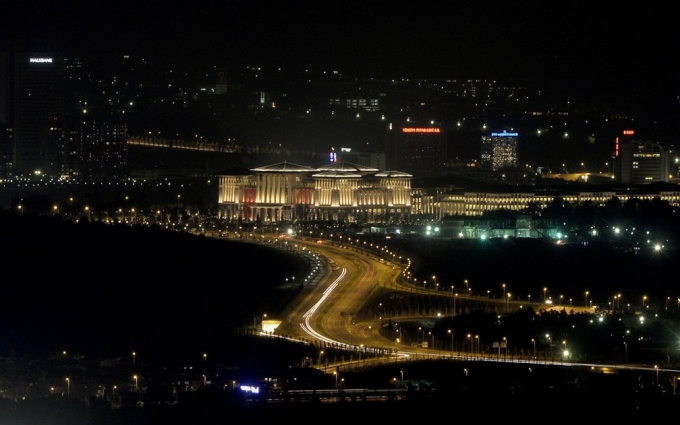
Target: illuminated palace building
point(346, 192)
point(342, 192)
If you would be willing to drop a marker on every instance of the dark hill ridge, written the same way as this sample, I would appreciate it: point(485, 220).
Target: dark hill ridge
point(108, 288)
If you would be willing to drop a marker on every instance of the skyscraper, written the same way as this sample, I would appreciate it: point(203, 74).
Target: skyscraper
point(639, 161)
point(417, 150)
point(100, 150)
point(499, 150)
point(36, 108)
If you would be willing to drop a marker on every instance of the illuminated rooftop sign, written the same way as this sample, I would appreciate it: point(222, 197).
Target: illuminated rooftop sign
point(420, 130)
point(40, 60)
point(504, 134)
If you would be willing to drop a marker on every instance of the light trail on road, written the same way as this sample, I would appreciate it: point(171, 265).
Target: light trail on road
point(307, 327)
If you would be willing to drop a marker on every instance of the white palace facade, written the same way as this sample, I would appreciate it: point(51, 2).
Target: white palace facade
point(345, 192)
point(341, 192)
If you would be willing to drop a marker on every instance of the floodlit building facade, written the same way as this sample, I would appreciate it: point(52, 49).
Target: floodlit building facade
point(342, 192)
point(350, 193)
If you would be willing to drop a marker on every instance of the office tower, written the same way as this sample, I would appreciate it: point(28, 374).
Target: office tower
point(5, 133)
point(499, 151)
point(101, 150)
point(417, 150)
point(37, 108)
point(639, 161)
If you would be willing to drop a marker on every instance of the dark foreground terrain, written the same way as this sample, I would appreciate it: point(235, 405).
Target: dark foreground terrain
point(80, 298)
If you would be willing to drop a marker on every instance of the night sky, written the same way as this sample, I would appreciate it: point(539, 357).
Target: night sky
point(578, 47)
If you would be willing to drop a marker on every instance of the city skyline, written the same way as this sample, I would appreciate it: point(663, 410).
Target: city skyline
point(581, 49)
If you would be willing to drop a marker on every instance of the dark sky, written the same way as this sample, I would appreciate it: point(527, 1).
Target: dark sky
point(604, 47)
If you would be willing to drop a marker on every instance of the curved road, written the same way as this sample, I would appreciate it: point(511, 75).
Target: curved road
point(325, 311)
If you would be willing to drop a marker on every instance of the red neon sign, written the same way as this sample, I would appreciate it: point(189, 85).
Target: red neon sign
point(420, 130)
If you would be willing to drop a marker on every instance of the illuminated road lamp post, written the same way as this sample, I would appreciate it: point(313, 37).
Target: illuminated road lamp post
point(451, 332)
point(136, 382)
point(657, 374)
point(402, 378)
point(587, 298)
point(68, 387)
point(533, 341)
point(545, 291)
point(134, 357)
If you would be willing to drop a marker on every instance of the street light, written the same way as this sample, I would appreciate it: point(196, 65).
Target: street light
point(68, 387)
point(534, 342)
point(453, 301)
point(205, 357)
point(434, 279)
point(134, 357)
point(336, 379)
point(402, 378)
point(506, 309)
point(135, 378)
point(657, 374)
point(451, 332)
point(545, 299)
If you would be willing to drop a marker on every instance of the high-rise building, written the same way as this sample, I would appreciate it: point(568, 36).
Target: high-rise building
point(5, 129)
point(36, 107)
point(417, 150)
point(639, 161)
point(499, 151)
point(99, 151)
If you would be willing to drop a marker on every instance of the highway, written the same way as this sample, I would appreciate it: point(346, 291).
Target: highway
point(325, 312)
